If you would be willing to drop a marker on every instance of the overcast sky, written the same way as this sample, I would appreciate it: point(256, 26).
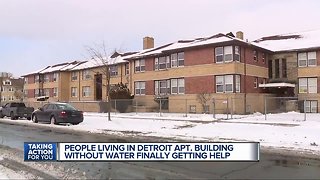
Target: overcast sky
point(38, 33)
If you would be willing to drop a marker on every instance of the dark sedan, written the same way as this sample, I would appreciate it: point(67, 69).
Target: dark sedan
point(56, 113)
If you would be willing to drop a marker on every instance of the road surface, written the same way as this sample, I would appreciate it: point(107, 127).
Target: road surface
point(270, 166)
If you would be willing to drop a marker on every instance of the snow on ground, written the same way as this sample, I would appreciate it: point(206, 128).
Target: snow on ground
point(286, 130)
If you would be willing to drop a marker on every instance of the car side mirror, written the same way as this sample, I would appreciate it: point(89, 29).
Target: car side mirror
point(41, 109)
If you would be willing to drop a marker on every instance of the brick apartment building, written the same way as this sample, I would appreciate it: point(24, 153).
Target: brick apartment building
point(225, 66)
point(11, 88)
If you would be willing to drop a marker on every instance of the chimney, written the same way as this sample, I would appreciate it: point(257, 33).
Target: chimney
point(148, 42)
point(239, 35)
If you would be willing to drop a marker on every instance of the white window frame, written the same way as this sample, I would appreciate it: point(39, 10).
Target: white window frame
point(86, 74)
point(26, 80)
point(55, 92)
point(55, 77)
point(46, 78)
point(237, 53)
point(140, 88)
point(46, 92)
point(174, 60)
point(74, 75)
point(308, 85)
point(163, 61)
point(113, 70)
point(139, 65)
point(127, 69)
point(7, 82)
point(74, 91)
point(229, 53)
point(226, 81)
point(180, 59)
point(311, 106)
point(306, 59)
point(219, 54)
point(86, 91)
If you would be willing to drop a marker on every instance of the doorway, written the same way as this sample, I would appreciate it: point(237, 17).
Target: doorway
point(98, 85)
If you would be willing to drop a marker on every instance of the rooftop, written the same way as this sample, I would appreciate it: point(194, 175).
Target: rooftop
point(291, 41)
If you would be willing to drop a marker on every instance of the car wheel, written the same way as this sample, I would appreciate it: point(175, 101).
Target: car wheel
point(12, 116)
point(34, 118)
point(52, 120)
point(28, 118)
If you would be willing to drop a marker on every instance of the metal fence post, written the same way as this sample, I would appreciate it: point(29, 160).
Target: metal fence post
point(213, 108)
point(115, 106)
point(186, 107)
point(227, 108)
point(304, 109)
point(136, 106)
point(265, 108)
point(160, 107)
point(232, 101)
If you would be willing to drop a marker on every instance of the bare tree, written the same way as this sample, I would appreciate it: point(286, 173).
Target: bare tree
point(99, 55)
point(18, 94)
point(203, 98)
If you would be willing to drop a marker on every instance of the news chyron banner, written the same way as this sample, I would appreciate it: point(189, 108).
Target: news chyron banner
point(219, 151)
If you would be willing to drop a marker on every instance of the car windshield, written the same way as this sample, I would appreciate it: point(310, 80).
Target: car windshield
point(66, 107)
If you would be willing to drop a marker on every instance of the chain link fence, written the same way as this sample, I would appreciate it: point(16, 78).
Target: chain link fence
point(218, 108)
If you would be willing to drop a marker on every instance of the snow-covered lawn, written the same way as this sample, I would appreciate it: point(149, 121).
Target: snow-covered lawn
point(286, 130)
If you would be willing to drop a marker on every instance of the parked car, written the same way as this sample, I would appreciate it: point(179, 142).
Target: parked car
point(15, 110)
point(56, 113)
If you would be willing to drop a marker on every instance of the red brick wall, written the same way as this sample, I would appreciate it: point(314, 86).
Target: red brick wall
point(199, 56)
point(195, 85)
point(149, 87)
point(30, 93)
point(250, 85)
point(247, 54)
point(30, 79)
point(149, 64)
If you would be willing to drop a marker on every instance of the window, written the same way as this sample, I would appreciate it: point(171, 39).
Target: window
point(276, 69)
point(74, 76)
point(86, 75)
point(177, 59)
point(36, 78)
point(238, 83)
point(85, 91)
point(10, 89)
point(237, 53)
point(307, 59)
point(181, 86)
point(162, 63)
point(11, 98)
point(46, 78)
point(26, 80)
point(113, 70)
point(264, 57)
point(7, 82)
point(284, 68)
point(140, 88)
point(227, 54)
point(219, 54)
point(3, 98)
point(127, 69)
point(181, 59)
point(46, 92)
point(255, 83)
point(55, 77)
point(73, 92)
point(311, 106)
point(228, 83)
point(307, 85)
point(139, 65)
point(162, 87)
point(55, 92)
point(255, 55)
